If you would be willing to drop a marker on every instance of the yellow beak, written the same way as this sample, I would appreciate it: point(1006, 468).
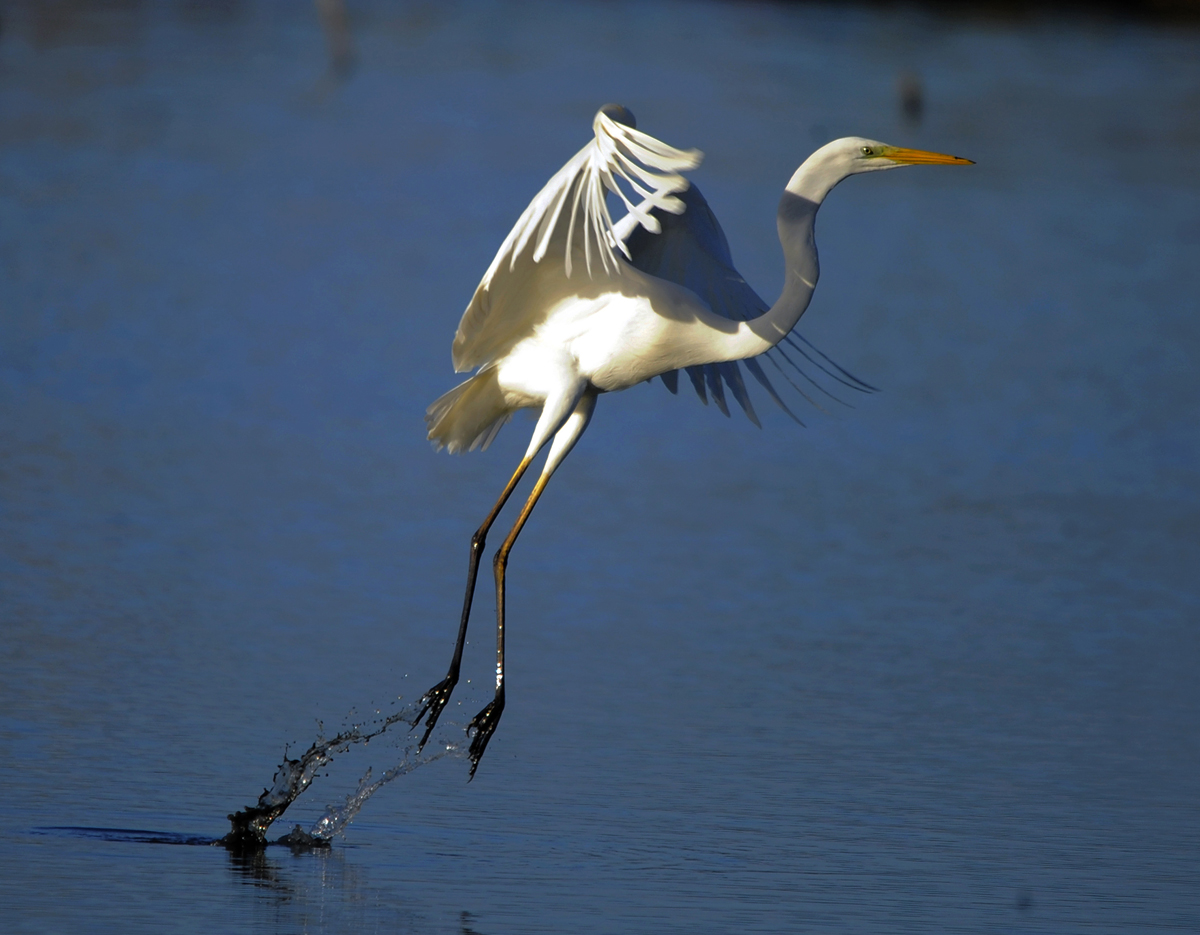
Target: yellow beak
point(918, 157)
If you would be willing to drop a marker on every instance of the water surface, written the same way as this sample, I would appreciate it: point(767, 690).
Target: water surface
point(927, 664)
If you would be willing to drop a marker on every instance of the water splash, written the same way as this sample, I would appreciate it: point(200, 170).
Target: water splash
point(337, 817)
point(293, 776)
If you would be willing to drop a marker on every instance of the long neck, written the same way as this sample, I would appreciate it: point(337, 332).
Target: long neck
point(797, 214)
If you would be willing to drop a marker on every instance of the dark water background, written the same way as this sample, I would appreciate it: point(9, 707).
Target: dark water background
point(927, 665)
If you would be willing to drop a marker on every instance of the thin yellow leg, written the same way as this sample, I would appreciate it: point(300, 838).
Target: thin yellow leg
point(434, 700)
point(484, 723)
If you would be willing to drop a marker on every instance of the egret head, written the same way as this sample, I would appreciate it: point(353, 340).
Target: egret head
point(855, 154)
point(850, 156)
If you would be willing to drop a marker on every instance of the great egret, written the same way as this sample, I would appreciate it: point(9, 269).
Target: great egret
point(574, 306)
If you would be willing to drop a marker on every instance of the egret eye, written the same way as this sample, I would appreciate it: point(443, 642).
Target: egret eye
point(867, 151)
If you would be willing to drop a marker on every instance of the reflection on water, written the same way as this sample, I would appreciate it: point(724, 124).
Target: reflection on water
point(291, 893)
point(927, 664)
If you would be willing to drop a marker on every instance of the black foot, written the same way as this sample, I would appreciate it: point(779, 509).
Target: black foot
point(432, 703)
point(484, 725)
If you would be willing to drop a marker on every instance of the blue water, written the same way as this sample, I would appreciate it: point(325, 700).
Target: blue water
point(926, 665)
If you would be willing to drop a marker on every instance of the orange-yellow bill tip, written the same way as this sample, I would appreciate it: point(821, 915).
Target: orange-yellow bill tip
point(918, 157)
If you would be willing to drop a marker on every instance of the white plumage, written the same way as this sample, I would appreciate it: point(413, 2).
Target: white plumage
point(574, 305)
point(569, 220)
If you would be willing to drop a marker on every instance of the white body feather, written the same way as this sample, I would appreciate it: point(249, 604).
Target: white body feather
point(562, 311)
point(534, 327)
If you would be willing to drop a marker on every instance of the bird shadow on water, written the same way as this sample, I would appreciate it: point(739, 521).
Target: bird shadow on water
point(248, 832)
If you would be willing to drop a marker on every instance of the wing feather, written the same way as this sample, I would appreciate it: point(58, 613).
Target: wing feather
point(712, 376)
point(733, 378)
point(690, 249)
point(617, 156)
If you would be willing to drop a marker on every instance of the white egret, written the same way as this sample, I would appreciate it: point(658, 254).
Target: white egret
point(574, 306)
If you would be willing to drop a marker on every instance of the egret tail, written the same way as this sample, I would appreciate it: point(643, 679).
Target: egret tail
point(470, 415)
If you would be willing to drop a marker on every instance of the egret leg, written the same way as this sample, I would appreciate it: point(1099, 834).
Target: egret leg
point(483, 725)
point(434, 700)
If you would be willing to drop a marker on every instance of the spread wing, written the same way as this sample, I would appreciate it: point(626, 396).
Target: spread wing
point(567, 221)
point(690, 249)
